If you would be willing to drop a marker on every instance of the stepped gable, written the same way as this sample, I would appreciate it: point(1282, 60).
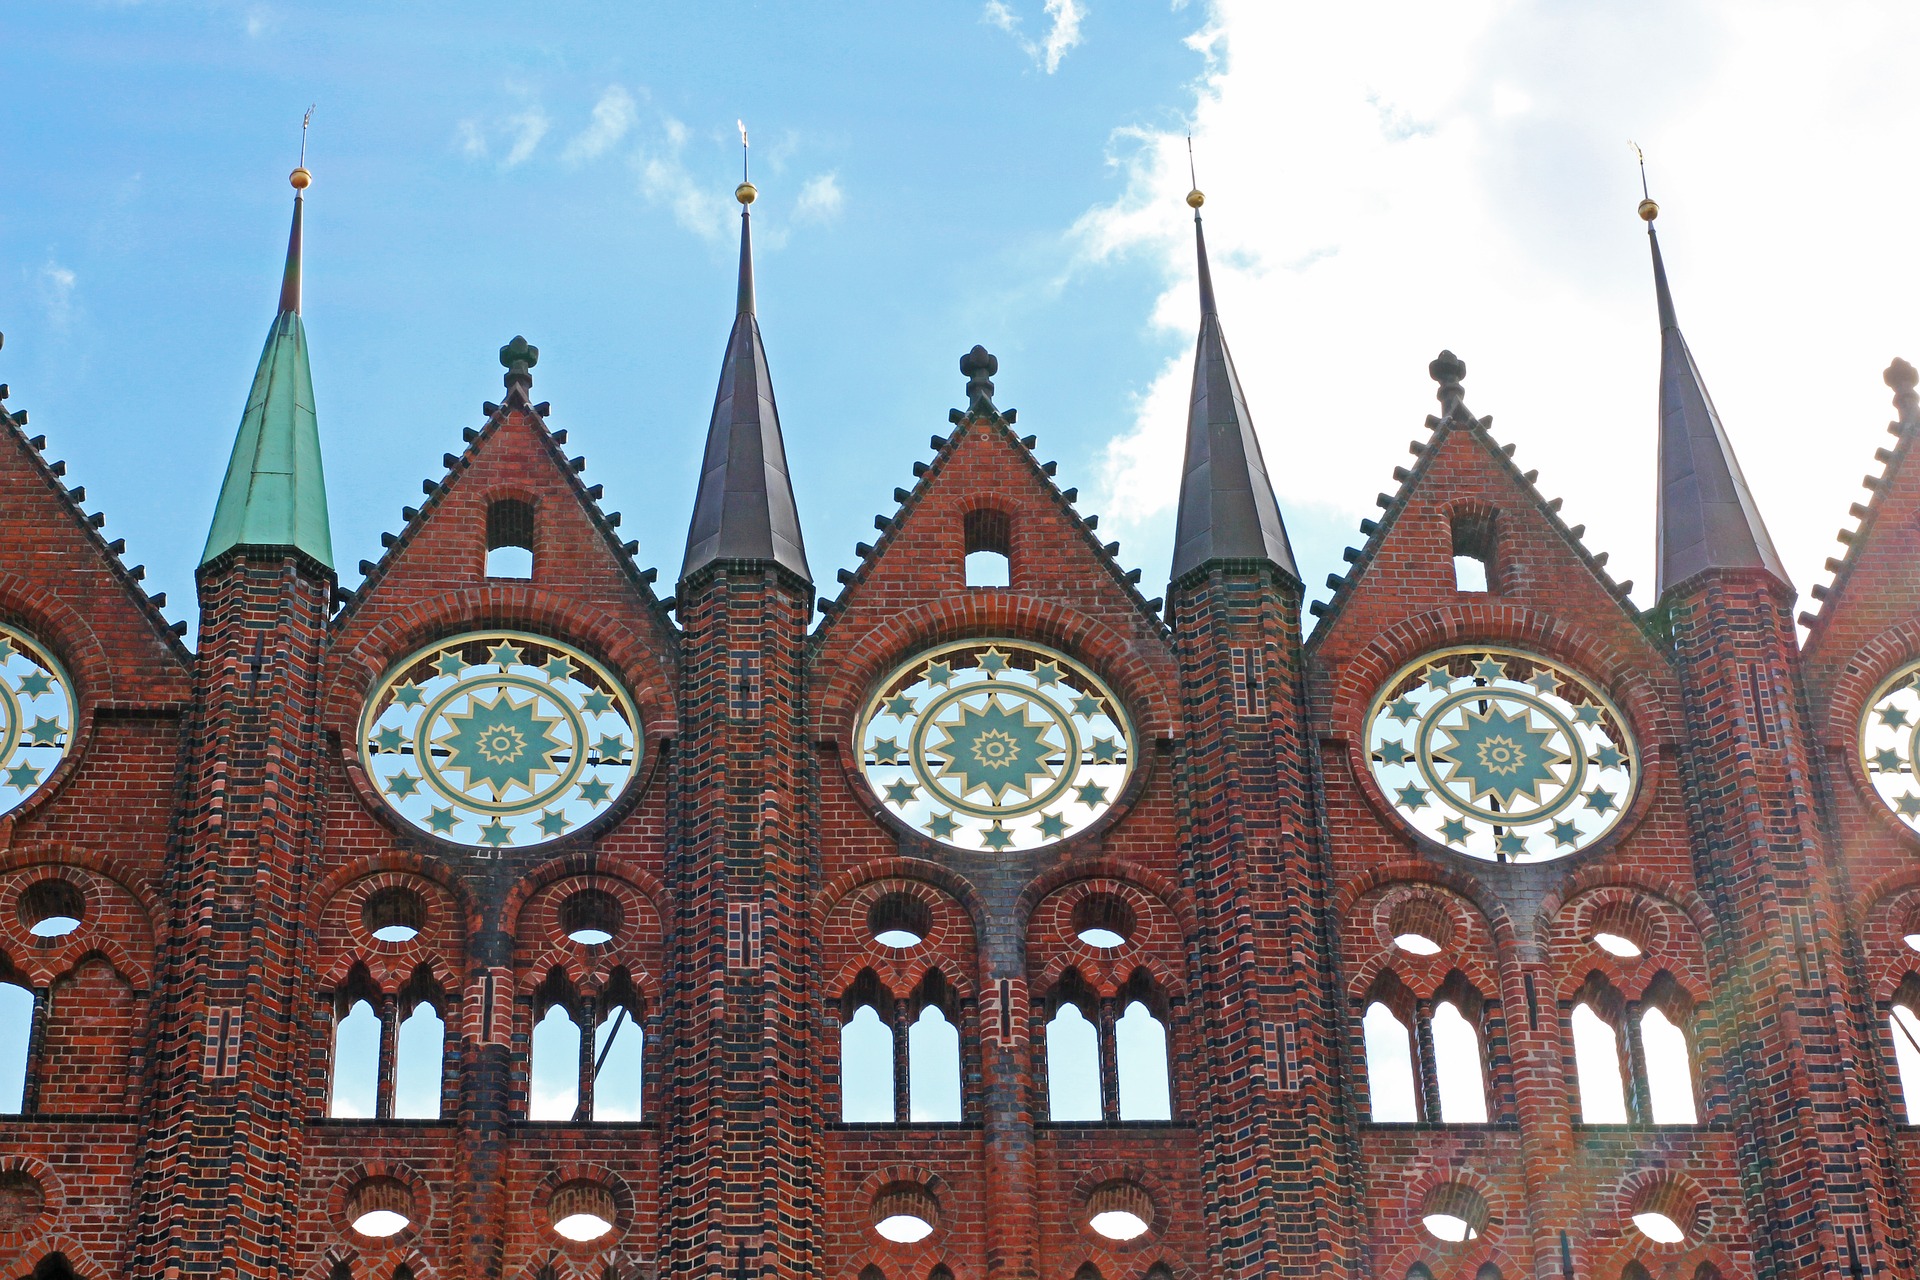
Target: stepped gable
point(56, 563)
point(1465, 494)
point(985, 486)
point(432, 577)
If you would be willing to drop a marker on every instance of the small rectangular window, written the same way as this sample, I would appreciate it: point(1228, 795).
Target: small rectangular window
point(1249, 683)
point(1469, 573)
point(1766, 715)
point(743, 936)
point(746, 686)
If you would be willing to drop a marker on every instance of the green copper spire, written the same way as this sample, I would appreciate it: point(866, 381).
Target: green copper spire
point(275, 494)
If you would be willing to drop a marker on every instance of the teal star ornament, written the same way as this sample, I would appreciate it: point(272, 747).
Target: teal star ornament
point(996, 746)
point(1502, 754)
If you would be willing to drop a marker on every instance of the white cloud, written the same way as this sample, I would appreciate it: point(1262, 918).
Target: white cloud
point(613, 117)
point(1387, 180)
point(820, 198)
point(471, 139)
point(259, 19)
point(664, 180)
point(527, 128)
point(56, 293)
point(1063, 30)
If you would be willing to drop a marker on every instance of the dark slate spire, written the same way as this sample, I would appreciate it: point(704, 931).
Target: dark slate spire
point(744, 509)
point(1227, 507)
point(275, 493)
point(1707, 516)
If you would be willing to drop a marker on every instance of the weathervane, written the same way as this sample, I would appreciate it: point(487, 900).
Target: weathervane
point(300, 178)
point(745, 192)
point(1648, 209)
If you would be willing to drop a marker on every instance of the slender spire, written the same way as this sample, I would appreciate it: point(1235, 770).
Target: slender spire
point(744, 509)
point(1707, 516)
point(275, 493)
point(1227, 507)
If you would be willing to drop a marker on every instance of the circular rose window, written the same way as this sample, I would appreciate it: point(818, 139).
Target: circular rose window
point(995, 744)
point(37, 715)
point(496, 739)
point(1500, 754)
point(1888, 743)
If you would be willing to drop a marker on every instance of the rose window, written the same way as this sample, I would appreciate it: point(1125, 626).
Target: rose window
point(497, 739)
point(37, 716)
point(1500, 754)
point(1890, 743)
point(995, 744)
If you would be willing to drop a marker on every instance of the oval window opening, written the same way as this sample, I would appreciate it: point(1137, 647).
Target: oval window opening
point(380, 1223)
point(1104, 939)
point(583, 1226)
point(898, 939)
point(1418, 944)
point(396, 933)
point(899, 921)
point(590, 917)
point(1913, 941)
point(1449, 1227)
point(1616, 945)
point(1118, 1224)
point(1659, 1228)
point(55, 926)
point(904, 1228)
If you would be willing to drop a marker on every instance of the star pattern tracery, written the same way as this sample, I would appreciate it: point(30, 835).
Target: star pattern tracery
point(499, 740)
point(995, 745)
point(1501, 754)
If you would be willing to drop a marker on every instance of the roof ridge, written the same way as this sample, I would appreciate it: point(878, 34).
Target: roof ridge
point(151, 604)
point(1902, 378)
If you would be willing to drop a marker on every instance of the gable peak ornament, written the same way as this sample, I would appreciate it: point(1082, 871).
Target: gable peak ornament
point(979, 365)
point(518, 358)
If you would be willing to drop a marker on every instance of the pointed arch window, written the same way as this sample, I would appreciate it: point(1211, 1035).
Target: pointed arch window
point(1074, 1091)
point(619, 1055)
point(16, 1042)
point(933, 1053)
point(866, 1053)
point(574, 1075)
point(1426, 1059)
point(1903, 1026)
point(1459, 1067)
point(1141, 1071)
point(354, 1072)
point(420, 1051)
point(509, 538)
point(1598, 1053)
point(1634, 1059)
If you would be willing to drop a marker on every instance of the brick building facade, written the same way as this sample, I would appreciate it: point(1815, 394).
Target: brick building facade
point(1493, 927)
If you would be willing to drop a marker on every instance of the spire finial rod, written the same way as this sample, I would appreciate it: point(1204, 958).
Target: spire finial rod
point(746, 192)
point(1648, 209)
point(1194, 198)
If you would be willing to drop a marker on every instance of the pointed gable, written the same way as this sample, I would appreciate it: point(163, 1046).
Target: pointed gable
point(1873, 585)
point(1707, 516)
point(744, 508)
point(57, 562)
point(515, 458)
point(1227, 508)
point(1466, 495)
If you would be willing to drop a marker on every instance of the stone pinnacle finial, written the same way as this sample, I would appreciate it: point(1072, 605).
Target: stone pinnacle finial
point(1447, 369)
point(979, 365)
point(1903, 378)
point(518, 358)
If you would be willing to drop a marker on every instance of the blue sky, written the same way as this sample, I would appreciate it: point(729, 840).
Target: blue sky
point(1383, 181)
point(463, 194)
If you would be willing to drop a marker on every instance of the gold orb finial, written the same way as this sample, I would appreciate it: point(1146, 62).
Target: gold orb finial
point(1649, 211)
point(1195, 198)
point(300, 178)
point(746, 193)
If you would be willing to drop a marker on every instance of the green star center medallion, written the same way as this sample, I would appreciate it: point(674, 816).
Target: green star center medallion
point(501, 744)
point(996, 747)
point(1502, 755)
